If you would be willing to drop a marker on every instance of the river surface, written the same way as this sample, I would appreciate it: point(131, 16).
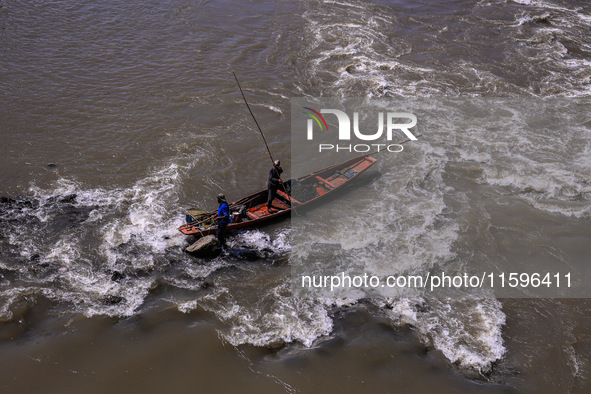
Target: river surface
point(116, 115)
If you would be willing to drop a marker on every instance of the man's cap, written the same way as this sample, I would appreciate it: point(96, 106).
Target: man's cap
point(222, 197)
point(277, 163)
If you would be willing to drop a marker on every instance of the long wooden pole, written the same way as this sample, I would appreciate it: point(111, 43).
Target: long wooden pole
point(255, 119)
point(260, 131)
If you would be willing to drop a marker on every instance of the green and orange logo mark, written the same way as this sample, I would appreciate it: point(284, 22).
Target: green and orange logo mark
point(317, 117)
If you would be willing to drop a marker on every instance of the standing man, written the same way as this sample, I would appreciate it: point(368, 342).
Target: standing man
point(273, 183)
point(223, 218)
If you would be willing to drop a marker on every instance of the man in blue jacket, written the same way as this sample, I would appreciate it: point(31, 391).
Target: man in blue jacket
point(223, 218)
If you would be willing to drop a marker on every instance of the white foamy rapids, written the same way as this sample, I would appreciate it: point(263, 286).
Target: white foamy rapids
point(547, 162)
point(394, 225)
point(187, 306)
point(273, 319)
point(467, 332)
point(12, 297)
point(140, 215)
point(148, 221)
point(549, 5)
point(356, 53)
point(77, 244)
point(358, 49)
point(260, 240)
point(553, 47)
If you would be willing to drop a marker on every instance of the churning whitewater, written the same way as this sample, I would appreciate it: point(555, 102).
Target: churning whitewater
point(116, 118)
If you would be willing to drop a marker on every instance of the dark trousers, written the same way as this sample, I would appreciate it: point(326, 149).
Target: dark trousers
point(271, 196)
point(221, 233)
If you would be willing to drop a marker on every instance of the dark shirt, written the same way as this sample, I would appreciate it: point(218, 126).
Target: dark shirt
point(274, 179)
point(224, 210)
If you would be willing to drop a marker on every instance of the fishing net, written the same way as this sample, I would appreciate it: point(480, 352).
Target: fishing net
point(301, 192)
point(198, 215)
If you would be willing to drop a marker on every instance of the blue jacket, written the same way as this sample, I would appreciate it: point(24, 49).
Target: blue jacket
point(224, 210)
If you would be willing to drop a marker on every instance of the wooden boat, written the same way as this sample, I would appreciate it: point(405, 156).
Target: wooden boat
point(252, 210)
